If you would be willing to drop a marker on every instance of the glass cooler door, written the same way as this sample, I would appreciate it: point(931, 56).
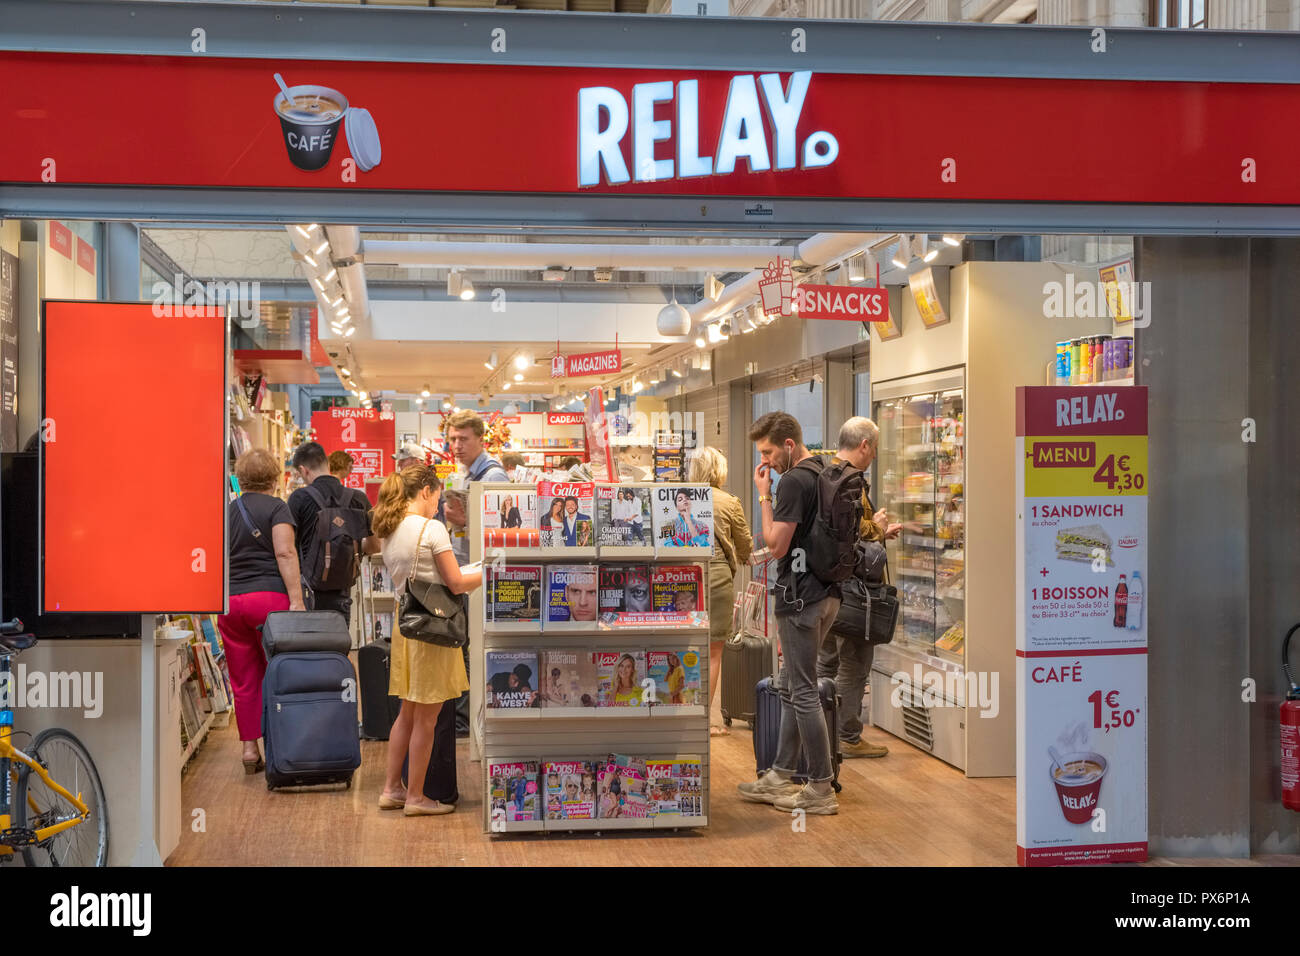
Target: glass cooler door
point(920, 481)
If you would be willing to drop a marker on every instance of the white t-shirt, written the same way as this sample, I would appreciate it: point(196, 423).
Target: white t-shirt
point(399, 549)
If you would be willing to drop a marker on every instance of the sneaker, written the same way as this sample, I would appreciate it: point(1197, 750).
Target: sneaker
point(809, 801)
point(767, 789)
point(863, 748)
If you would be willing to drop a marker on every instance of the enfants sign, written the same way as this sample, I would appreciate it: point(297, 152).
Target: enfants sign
point(604, 119)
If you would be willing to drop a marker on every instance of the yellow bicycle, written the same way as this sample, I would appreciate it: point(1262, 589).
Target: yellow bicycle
point(48, 823)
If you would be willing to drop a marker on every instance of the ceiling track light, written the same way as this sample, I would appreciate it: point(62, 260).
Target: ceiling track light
point(322, 247)
point(329, 276)
point(349, 332)
point(309, 260)
point(466, 290)
point(953, 240)
point(425, 391)
point(344, 370)
point(335, 303)
point(904, 255)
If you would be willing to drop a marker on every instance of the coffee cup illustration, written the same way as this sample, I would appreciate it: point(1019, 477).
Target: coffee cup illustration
point(310, 118)
point(1077, 778)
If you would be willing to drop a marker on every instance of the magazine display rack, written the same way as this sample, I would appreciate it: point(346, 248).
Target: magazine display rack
point(658, 731)
point(378, 604)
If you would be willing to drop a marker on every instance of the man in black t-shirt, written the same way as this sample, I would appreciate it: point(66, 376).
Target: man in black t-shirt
point(805, 610)
point(310, 462)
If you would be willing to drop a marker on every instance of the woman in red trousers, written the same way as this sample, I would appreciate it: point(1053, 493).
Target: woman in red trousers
point(263, 578)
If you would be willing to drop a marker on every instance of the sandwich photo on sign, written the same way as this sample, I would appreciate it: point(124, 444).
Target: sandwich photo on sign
point(1082, 543)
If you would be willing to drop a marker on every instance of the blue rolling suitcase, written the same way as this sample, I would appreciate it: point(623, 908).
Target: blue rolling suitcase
point(309, 700)
point(767, 727)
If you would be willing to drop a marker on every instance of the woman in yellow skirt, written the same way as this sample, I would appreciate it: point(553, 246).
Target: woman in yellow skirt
point(423, 675)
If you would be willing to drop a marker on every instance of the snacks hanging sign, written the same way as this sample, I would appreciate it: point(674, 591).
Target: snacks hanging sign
point(1081, 629)
point(842, 303)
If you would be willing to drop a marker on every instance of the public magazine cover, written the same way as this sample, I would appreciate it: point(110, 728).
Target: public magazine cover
point(512, 789)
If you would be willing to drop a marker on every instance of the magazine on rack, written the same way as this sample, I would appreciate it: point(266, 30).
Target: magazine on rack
point(623, 588)
point(621, 788)
point(683, 516)
point(510, 518)
point(512, 788)
point(676, 589)
point(572, 593)
point(564, 513)
point(676, 675)
point(569, 678)
point(570, 789)
point(619, 675)
point(623, 517)
point(512, 679)
point(512, 594)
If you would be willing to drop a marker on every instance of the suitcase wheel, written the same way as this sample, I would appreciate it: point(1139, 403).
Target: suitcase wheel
point(836, 785)
point(348, 785)
point(726, 721)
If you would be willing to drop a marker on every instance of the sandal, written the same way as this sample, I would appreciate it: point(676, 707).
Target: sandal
point(391, 803)
point(254, 766)
point(715, 731)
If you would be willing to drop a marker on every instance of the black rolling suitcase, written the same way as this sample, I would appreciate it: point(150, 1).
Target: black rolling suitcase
point(746, 660)
point(309, 700)
point(440, 778)
point(378, 708)
point(767, 728)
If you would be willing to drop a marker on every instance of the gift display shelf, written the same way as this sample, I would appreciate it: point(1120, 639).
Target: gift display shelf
point(512, 735)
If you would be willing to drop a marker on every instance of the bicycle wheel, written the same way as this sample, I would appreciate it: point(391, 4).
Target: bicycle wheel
point(36, 805)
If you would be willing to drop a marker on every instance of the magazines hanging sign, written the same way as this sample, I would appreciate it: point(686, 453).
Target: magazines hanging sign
point(588, 363)
point(1081, 629)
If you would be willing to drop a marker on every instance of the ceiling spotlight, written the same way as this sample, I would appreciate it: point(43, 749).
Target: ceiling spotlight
point(522, 361)
point(505, 386)
point(953, 240)
point(715, 334)
point(455, 282)
point(466, 290)
point(455, 408)
point(305, 234)
point(313, 227)
point(344, 319)
point(322, 247)
point(676, 373)
point(336, 330)
point(446, 403)
point(554, 273)
point(329, 276)
point(856, 265)
point(318, 284)
point(309, 260)
point(699, 342)
point(362, 395)
point(603, 274)
point(636, 385)
point(344, 370)
point(425, 391)
point(349, 332)
point(519, 376)
point(930, 255)
point(491, 363)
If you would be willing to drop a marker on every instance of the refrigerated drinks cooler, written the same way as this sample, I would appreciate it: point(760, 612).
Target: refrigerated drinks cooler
point(919, 478)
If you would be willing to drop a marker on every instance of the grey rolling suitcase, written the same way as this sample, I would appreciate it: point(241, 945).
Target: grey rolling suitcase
point(746, 660)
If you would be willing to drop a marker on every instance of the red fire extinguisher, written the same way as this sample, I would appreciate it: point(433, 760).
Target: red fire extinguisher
point(1290, 732)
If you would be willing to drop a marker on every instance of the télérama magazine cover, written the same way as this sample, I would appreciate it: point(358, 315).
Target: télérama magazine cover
point(570, 789)
point(512, 791)
point(623, 517)
point(570, 678)
point(564, 514)
point(683, 516)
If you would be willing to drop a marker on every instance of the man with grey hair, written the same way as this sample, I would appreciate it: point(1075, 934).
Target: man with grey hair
point(846, 654)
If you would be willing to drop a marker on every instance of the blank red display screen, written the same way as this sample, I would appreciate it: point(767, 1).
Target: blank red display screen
point(134, 460)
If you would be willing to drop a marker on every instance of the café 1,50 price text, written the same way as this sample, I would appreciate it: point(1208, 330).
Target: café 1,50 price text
point(1117, 475)
point(1112, 716)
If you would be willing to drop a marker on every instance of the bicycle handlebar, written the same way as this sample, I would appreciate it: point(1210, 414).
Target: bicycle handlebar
point(14, 626)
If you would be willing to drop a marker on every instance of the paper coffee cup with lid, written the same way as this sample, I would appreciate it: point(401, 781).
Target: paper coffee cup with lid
point(310, 117)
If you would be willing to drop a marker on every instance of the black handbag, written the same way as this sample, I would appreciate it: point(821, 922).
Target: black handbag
point(435, 615)
point(884, 612)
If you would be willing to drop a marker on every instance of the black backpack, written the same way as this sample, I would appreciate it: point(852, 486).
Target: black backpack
point(832, 539)
point(335, 558)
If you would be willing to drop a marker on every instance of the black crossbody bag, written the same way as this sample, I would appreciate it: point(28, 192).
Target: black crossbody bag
point(435, 615)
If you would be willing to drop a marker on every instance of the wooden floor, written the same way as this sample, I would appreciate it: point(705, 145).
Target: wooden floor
point(906, 809)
